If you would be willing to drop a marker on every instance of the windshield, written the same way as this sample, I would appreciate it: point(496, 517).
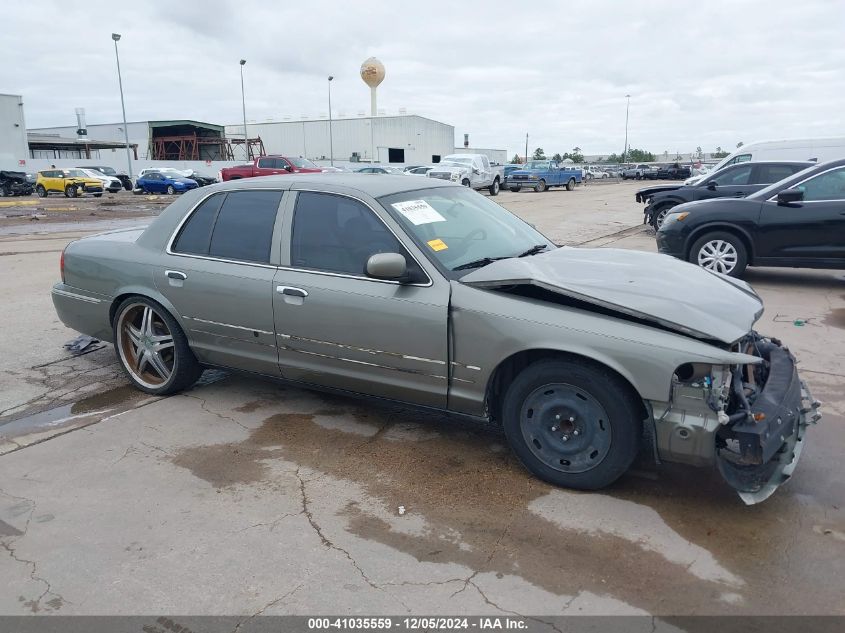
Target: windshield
point(108, 171)
point(75, 173)
point(302, 163)
point(456, 226)
point(536, 164)
point(456, 160)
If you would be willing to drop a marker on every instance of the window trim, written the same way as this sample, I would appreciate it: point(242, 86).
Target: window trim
point(169, 248)
point(774, 197)
point(327, 273)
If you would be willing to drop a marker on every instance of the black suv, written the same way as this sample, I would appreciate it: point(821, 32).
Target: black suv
point(798, 222)
point(735, 181)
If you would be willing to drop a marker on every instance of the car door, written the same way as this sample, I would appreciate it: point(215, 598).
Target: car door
point(153, 182)
point(734, 182)
point(813, 229)
point(339, 328)
point(267, 166)
point(218, 273)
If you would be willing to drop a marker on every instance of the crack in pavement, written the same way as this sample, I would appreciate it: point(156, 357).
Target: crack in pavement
point(272, 603)
point(204, 407)
point(329, 544)
point(55, 603)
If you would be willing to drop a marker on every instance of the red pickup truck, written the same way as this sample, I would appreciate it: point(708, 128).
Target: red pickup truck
point(268, 166)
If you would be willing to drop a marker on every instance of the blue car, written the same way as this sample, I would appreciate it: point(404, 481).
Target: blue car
point(156, 182)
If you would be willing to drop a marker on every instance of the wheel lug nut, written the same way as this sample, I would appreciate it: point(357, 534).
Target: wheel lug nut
point(565, 438)
point(571, 419)
point(575, 432)
point(554, 428)
point(557, 417)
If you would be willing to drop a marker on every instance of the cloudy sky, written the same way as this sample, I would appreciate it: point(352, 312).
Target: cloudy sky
point(700, 72)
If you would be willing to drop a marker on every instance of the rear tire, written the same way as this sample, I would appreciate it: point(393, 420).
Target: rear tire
point(40, 191)
point(170, 190)
point(570, 185)
point(595, 410)
point(152, 349)
point(720, 252)
point(494, 188)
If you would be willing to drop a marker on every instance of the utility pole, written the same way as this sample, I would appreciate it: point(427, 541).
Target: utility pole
point(243, 105)
point(116, 37)
point(331, 144)
point(625, 151)
point(526, 147)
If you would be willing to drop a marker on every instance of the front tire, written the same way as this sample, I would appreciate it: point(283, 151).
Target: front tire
point(494, 188)
point(540, 187)
point(98, 195)
point(152, 349)
point(570, 185)
point(720, 252)
point(572, 423)
point(660, 214)
point(71, 191)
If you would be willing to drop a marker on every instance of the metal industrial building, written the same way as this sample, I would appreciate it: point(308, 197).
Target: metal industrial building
point(157, 140)
point(13, 145)
point(407, 138)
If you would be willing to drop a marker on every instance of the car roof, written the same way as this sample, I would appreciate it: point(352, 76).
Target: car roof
point(376, 187)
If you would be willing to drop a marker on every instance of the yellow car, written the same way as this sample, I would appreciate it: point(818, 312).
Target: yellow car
point(71, 182)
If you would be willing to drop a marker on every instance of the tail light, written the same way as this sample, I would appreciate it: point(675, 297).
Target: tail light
point(62, 264)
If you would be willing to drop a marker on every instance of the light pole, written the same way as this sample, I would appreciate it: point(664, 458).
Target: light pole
point(116, 37)
point(331, 146)
point(526, 147)
point(243, 105)
point(625, 151)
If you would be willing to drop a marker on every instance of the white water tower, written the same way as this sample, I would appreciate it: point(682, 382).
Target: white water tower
point(372, 72)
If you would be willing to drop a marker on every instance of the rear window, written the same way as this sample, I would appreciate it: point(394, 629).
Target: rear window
point(236, 225)
point(768, 174)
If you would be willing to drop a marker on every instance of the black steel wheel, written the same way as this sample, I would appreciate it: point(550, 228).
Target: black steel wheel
point(572, 423)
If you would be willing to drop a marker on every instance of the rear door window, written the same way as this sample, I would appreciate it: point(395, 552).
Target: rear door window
point(769, 174)
point(244, 226)
point(733, 177)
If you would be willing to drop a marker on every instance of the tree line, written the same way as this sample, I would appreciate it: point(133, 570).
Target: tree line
point(633, 155)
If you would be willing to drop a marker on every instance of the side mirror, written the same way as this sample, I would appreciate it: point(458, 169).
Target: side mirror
point(711, 185)
point(475, 171)
point(788, 196)
point(387, 266)
point(288, 167)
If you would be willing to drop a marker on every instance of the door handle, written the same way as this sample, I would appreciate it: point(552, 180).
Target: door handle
point(176, 274)
point(292, 292)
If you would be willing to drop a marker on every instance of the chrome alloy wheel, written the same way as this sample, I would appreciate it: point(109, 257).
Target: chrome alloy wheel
point(565, 427)
point(145, 345)
point(719, 256)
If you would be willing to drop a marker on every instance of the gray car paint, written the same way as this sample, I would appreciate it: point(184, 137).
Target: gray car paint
point(437, 343)
point(658, 288)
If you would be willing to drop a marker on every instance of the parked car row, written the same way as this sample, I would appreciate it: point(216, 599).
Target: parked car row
point(735, 218)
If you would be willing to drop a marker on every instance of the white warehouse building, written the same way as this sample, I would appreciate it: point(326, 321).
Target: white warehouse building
point(404, 139)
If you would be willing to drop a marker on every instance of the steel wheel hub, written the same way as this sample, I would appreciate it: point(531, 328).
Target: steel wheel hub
point(719, 256)
point(565, 427)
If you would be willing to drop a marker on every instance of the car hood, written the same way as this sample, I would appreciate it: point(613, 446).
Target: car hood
point(527, 172)
point(717, 205)
point(657, 288)
point(648, 192)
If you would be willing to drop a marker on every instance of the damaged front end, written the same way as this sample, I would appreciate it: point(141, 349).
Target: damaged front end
point(749, 419)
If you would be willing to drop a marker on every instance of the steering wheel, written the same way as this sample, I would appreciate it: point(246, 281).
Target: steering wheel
point(462, 246)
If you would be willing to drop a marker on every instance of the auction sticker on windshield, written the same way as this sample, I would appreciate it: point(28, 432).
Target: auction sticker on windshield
point(437, 245)
point(418, 212)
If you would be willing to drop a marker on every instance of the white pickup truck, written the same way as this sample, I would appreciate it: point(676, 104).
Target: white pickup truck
point(471, 170)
